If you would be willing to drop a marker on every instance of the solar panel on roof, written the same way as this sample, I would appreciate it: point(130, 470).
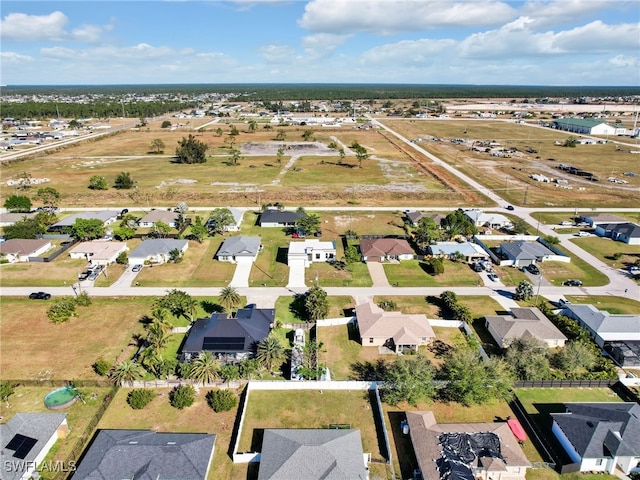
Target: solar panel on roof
point(223, 344)
point(21, 445)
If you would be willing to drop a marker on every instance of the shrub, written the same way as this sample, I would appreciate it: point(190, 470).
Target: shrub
point(182, 396)
point(101, 367)
point(221, 400)
point(83, 299)
point(140, 398)
point(62, 310)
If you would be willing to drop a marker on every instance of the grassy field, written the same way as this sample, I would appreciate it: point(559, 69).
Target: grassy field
point(510, 176)
point(541, 402)
point(286, 313)
point(30, 399)
point(160, 416)
point(33, 347)
point(308, 409)
point(198, 268)
point(612, 304)
point(604, 249)
point(414, 273)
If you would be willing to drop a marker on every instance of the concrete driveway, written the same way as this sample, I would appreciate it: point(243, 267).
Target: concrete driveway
point(241, 274)
point(296, 275)
point(376, 271)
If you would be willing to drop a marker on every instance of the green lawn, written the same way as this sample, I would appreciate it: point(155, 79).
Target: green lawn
point(414, 273)
point(308, 409)
point(613, 305)
point(354, 275)
point(605, 248)
point(285, 313)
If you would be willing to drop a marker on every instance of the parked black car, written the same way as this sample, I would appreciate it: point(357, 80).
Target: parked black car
point(39, 296)
point(533, 269)
point(572, 283)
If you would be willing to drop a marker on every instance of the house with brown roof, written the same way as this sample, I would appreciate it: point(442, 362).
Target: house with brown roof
point(465, 450)
point(524, 322)
point(164, 216)
point(385, 249)
point(20, 249)
point(395, 330)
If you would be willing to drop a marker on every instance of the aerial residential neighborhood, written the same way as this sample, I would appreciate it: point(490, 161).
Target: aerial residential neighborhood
point(320, 240)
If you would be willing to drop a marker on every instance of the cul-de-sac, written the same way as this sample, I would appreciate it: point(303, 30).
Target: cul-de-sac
point(214, 286)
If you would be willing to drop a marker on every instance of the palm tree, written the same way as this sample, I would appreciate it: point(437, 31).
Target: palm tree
point(205, 368)
point(157, 335)
point(229, 298)
point(127, 371)
point(190, 307)
point(271, 352)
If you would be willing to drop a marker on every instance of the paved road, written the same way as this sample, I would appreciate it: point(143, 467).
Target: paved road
point(619, 283)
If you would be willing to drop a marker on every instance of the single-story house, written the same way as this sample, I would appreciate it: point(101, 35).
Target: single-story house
point(596, 219)
point(465, 450)
point(147, 455)
point(165, 216)
point(99, 252)
point(395, 330)
point(600, 437)
point(26, 440)
point(156, 250)
point(471, 251)
point(603, 326)
point(9, 218)
point(106, 216)
point(522, 323)
point(415, 216)
point(279, 218)
point(239, 249)
point(522, 253)
point(384, 249)
point(311, 251)
point(237, 214)
point(587, 126)
point(20, 249)
point(312, 454)
point(627, 232)
point(230, 339)
point(489, 220)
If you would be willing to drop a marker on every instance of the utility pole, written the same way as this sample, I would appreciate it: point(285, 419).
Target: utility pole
point(526, 193)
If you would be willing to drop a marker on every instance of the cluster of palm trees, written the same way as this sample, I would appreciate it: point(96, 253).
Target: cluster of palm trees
point(205, 368)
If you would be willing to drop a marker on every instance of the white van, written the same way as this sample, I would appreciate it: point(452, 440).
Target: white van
point(583, 234)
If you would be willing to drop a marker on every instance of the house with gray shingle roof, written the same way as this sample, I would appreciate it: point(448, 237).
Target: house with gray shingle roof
point(627, 232)
point(600, 437)
point(489, 220)
point(312, 454)
point(156, 250)
point(524, 322)
point(240, 248)
point(279, 218)
point(26, 440)
point(522, 253)
point(106, 216)
point(147, 455)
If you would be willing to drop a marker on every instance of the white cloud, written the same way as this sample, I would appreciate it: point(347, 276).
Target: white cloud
point(390, 16)
point(20, 26)
point(13, 57)
point(517, 39)
point(546, 14)
point(408, 52)
point(626, 61)
point(277, 53)
point(321, 45)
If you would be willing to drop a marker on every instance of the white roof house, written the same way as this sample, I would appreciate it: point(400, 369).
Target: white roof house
point(491, 220)
point(603, 326)
point(470, 250)
point(237, 220)
point(99, 252)
point(309, 251)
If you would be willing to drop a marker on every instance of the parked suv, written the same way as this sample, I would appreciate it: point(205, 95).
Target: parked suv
point(533, 269)
point(572, 283)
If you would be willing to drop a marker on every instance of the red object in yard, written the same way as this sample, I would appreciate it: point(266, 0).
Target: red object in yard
point(517, 429)
point(295, 235)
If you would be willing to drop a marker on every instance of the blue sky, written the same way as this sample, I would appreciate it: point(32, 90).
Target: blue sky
point(564, 42)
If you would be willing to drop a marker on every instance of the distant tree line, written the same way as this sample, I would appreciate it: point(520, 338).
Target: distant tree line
point(107, 109)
